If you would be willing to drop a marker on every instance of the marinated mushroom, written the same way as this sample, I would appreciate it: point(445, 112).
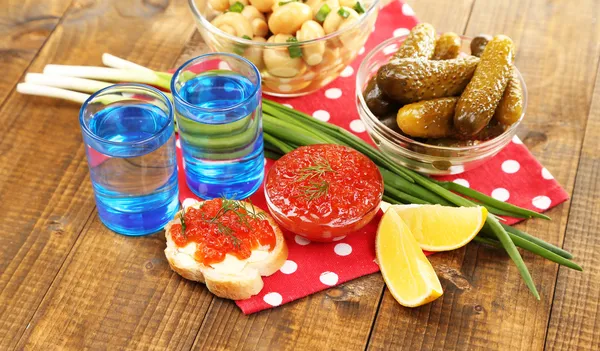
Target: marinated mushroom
point(312, 53)
point(317, 6)
point(234, 23)
point(257, 21)
point(255, 53)
point(334, 20)
point(219, 5)
point(278, 61)
point(263, 5)
point(289, 17)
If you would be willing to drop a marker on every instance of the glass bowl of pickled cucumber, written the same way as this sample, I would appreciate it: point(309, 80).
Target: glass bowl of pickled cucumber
point(298, 47)
point(412, 109)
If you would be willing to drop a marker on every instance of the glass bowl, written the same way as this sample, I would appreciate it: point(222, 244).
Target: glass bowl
point(422, 157)
point(337, 216)
point(341, 48)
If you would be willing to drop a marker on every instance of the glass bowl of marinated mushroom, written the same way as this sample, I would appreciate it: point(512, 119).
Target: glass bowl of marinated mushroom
point(441, 103)
point(297, 46)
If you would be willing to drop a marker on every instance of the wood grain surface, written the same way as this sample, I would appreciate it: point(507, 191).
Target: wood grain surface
point(69, 283)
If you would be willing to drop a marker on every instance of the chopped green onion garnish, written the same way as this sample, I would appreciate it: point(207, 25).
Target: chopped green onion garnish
point(237, 7)
point(246, 37)
point(358, 7)
point(323, 12)
point(343, 12)
point(294, 50)
point(281, 3)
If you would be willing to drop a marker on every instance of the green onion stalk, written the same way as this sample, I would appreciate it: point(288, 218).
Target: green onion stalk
point(285, 129)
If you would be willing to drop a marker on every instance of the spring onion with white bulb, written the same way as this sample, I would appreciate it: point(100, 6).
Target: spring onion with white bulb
point(285, 129)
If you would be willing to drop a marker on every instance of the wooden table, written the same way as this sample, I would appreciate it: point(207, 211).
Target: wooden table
point(69, 283)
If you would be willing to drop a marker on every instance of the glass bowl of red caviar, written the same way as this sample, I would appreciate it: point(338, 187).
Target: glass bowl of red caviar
point(323, 192)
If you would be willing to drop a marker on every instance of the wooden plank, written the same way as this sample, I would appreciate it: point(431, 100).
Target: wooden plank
point(45, 194)
point(24, 28)
point(575, 318)
point(118, 292)
point(486, 304)
point(337, 319)
point(445, 15)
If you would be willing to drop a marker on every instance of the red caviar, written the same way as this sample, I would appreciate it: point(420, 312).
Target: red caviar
point(324, 191)
point(220, 227)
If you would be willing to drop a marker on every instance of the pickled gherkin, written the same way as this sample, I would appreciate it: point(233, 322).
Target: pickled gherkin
point(377, 103)
point(420, 42)
point(428, 119)
point(510, 108)
point(478, 102)
point(410, 80)
point(447, 46)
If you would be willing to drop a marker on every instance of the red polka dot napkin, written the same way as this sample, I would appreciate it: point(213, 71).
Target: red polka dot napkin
point(513, 175)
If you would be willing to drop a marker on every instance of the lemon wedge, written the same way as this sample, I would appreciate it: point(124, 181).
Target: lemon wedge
point(442, 228)
point(406, 271)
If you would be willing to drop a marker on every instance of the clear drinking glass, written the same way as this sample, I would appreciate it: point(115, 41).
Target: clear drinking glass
point(128, 131)
point(217, 100)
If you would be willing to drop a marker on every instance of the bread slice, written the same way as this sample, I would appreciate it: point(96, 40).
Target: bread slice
point(232, 278)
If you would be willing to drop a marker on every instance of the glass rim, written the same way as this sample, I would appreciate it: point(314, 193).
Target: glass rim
point(373, 119)
point(190, 62)
point(210, 27)
point(84, 126)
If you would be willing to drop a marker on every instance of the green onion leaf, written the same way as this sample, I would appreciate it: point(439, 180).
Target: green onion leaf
point(358, 7)
point(343, 12)
point(246, 37)
point(294, 50)
point(323, 12)
point(237, 7)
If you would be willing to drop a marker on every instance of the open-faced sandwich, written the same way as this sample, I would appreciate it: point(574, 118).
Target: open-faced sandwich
point(227, 245)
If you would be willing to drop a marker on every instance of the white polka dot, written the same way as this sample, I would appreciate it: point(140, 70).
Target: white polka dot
point(333, 93)
point(347, 72)
point(510, 166)
point(321, 115)
point(516, 140)
point(288, 267)
point(339, 238)
point(285, 88)
point(273, 298)
point(541, 202)
point(301, 240)
point(342, 249)
point(500, 194)
point(462, 182)
point(357, 126)
point(188, 202)
point(407, 10)
point(390, 49)
point(329, 278)
point(361, 51)
point(400, 32)
point(178, 143)
point(223, 65)
point(546, 174)
point(288, 105)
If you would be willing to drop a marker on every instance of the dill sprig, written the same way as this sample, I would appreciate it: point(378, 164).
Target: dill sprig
point(320, 166)
point(314, 190)
point(182, 219)
point(242, 213)
point(225, 230)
